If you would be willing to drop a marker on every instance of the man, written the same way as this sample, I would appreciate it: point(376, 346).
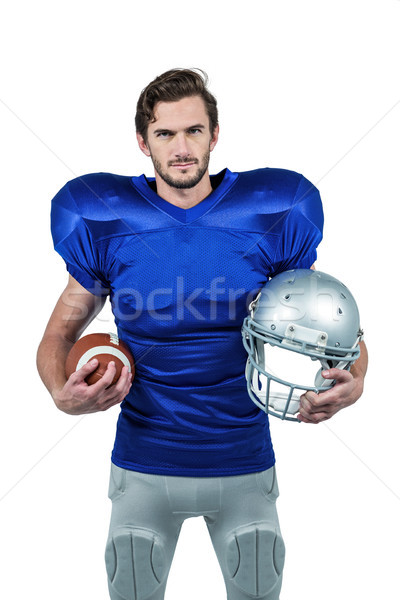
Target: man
point(181, 256)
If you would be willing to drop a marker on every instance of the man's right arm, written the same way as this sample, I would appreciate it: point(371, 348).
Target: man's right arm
point(75, 309)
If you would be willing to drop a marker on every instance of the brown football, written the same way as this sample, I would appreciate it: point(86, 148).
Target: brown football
point(103, 346)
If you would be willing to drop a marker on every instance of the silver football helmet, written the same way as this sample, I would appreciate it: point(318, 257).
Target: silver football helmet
point(299, 314)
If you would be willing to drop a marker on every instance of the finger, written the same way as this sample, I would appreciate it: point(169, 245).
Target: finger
point(315, 416)
point(81, 374)
point(110, 403)
point(106, 380)
point(120, 387)
point(341, 375)
point(113, 396)
point(120, 390)
point(323, 401)
point(313, 419)
point(124, 380)
point(309, 401)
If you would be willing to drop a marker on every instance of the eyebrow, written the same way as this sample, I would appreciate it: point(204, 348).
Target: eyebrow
point(164, 130)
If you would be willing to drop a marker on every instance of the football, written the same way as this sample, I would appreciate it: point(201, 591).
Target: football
point(106, 347)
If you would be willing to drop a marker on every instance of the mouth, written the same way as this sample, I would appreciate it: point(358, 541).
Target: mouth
point(183, 166)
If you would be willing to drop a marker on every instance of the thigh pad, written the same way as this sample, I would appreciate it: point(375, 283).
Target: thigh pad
point(136, 563)
point(255, 557)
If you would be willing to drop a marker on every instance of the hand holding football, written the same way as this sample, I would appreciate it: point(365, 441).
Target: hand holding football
point(105, 347)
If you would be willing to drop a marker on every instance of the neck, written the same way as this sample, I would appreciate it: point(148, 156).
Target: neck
point(184, 198)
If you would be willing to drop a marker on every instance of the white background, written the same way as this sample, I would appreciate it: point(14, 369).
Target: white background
point(311, 86)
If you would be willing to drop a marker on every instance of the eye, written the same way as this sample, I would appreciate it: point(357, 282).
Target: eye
point(194, 131)
point(163, 135)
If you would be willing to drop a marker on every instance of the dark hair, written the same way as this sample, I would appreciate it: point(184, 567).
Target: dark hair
point(172, 86)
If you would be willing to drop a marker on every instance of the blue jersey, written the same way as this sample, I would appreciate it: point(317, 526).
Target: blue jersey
point(180, 282)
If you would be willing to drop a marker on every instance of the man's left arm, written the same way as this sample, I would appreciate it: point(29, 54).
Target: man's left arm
point(348, 388)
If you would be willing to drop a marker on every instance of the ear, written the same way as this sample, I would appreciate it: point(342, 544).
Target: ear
point(214, 139)
point(142, 144)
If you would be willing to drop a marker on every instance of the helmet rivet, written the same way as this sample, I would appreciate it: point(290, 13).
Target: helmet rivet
point(323, 337)
point(337, 344)
point(273, 327)
point(291, 328)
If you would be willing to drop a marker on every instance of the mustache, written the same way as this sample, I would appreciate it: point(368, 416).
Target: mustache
point(182, 161)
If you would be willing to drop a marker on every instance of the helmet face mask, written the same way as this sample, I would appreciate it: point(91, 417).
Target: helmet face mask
point(311, 321)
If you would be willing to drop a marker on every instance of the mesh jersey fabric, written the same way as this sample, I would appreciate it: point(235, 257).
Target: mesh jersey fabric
point(180, 282)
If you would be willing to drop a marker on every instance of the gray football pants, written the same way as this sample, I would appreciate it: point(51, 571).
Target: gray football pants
point(147, 515)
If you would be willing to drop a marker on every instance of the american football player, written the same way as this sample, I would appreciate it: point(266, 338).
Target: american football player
point(181, 256)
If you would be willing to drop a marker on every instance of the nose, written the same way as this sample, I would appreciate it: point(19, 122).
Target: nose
point(181, 149)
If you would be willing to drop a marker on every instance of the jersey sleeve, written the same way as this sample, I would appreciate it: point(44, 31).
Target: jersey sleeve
point(301, 230)
point(73, 241)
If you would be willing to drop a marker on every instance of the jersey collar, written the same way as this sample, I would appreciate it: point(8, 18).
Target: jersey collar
point(221, 183)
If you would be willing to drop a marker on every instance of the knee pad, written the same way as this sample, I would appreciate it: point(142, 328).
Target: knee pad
point(254, 560)
point(135, 563)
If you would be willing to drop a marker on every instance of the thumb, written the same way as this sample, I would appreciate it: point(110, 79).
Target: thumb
point(337, 374)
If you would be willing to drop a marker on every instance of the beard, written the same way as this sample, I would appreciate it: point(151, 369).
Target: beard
point(183, 184)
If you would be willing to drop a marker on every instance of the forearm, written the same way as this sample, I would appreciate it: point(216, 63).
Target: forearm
point(51, 357)
point(75, 309)
point(359, 368)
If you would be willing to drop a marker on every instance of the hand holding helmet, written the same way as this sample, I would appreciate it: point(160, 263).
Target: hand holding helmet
point(305, 313)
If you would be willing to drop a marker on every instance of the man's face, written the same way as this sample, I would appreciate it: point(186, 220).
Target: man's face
point(179, 142)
